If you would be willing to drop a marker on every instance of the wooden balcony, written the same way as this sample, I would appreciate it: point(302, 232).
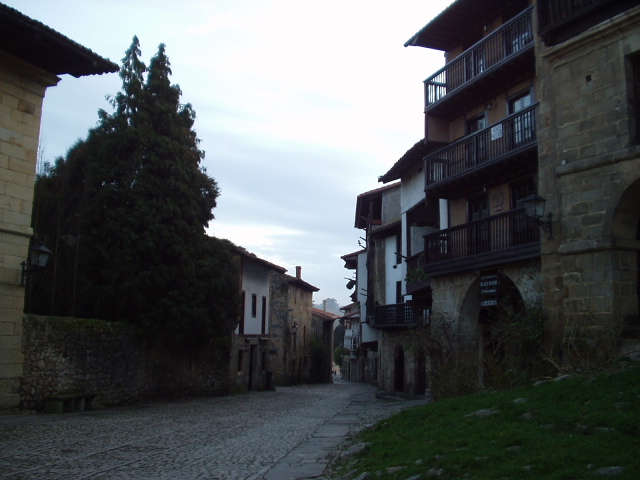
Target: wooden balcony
point(397, 315)
point(503, 151)
point(504, 57)
point(560, 20)
point(492, 241)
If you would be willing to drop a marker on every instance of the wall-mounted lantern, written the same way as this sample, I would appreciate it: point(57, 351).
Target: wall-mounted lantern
point(38, 258)
point(534, 205)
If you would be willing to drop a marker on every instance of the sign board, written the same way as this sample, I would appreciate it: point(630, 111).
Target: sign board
point(489, 288)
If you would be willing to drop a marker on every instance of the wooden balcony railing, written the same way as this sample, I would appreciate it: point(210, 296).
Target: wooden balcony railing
point(513, 134)
point(393, 316)
point(495, 49)
point(497, 239)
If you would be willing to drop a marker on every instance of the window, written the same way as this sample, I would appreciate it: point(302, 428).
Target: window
point(264, 315)
point(520, 191)
point(479, 238)
point(478, 208)
point(476, 123)
point(254, 305)
point(523, 125)
point(523, 226)
point(478, 145)
point(398, 249)
point(398, 292)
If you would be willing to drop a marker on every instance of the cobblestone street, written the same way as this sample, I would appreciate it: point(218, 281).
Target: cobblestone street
point(281, 435)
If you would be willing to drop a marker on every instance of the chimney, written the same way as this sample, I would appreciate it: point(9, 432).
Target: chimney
point(299, 273)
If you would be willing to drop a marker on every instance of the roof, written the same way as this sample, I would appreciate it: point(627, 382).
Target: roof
point(412, 156)
point(325, 316)
point(347, 307)
point(40, 45)
point(389, 228)
point(369, 205)
point(251, 256)
point(375, 191)
point(298, 282)
point(459, 18)
point(352, 255)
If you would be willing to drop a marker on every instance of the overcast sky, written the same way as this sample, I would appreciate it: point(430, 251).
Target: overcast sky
point(300, 107)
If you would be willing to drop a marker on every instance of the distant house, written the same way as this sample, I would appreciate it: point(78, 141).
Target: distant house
point(322, 356)
point(249, 355)
point(32, 56)
point(291, 328)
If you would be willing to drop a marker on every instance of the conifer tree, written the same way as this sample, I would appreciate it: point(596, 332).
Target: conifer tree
point(136, 200)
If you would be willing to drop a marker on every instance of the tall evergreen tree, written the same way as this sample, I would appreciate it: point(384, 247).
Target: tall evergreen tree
point(136, 202)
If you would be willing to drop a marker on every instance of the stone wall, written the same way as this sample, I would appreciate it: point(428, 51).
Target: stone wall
point(589, 171)
point(106, 358)
point(22, 89)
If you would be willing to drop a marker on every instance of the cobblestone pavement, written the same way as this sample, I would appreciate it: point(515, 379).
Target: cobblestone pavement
point(282, 435)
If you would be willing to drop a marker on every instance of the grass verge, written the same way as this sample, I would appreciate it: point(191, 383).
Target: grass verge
point(578, 428)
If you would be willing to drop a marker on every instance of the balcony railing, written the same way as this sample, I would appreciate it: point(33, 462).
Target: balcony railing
point(515, 133)
point(395, 315)
point(495, 49)
point(507, 237)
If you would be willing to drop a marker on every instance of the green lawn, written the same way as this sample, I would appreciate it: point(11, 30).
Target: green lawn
point(569, 429)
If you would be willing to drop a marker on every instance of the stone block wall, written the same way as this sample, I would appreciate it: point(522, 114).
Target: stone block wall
point(106, 358)
point(22, 88)
point(589, 171)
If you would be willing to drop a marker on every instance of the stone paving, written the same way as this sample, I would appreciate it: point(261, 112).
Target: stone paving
point(283, 435)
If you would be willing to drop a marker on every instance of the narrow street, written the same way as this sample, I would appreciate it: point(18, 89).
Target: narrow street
point(281, 435)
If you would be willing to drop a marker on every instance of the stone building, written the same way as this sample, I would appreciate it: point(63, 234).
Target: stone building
point(588, 69)
point(537, 102)
point(32, 56)
point(249, 364)
point(290, 327)
point(322, 355)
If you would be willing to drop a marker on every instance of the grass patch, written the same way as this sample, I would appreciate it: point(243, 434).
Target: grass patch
point(570, 429)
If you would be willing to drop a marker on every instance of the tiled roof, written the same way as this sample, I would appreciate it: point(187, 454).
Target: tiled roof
point(40, 45)
point(326, 316)
point(412, 156)
point(301, 283)
point(252, 256)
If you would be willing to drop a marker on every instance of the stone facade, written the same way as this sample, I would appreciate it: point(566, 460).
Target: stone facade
point(22, 88)
point(249, 365)
point(322, 332)
point(290, 327)
point(105, 359)
point(589, 171)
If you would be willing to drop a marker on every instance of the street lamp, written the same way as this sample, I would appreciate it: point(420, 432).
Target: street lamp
point(38, 258)
point(534, 205)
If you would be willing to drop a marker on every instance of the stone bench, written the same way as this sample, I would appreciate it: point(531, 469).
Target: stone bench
point(69, 402)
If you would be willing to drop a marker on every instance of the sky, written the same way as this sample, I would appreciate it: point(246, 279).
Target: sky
point(300, 107)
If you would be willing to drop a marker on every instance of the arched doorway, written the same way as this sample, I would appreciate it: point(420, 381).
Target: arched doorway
point(482, 337)
point(501, 333)
point(398, 370)
point(625, 226)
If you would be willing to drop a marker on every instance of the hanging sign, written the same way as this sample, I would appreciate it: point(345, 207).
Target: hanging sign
point(489, 287)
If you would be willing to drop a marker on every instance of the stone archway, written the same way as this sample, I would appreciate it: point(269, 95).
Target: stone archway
point(480, 337)
point(398, 370)
point(625, 231)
